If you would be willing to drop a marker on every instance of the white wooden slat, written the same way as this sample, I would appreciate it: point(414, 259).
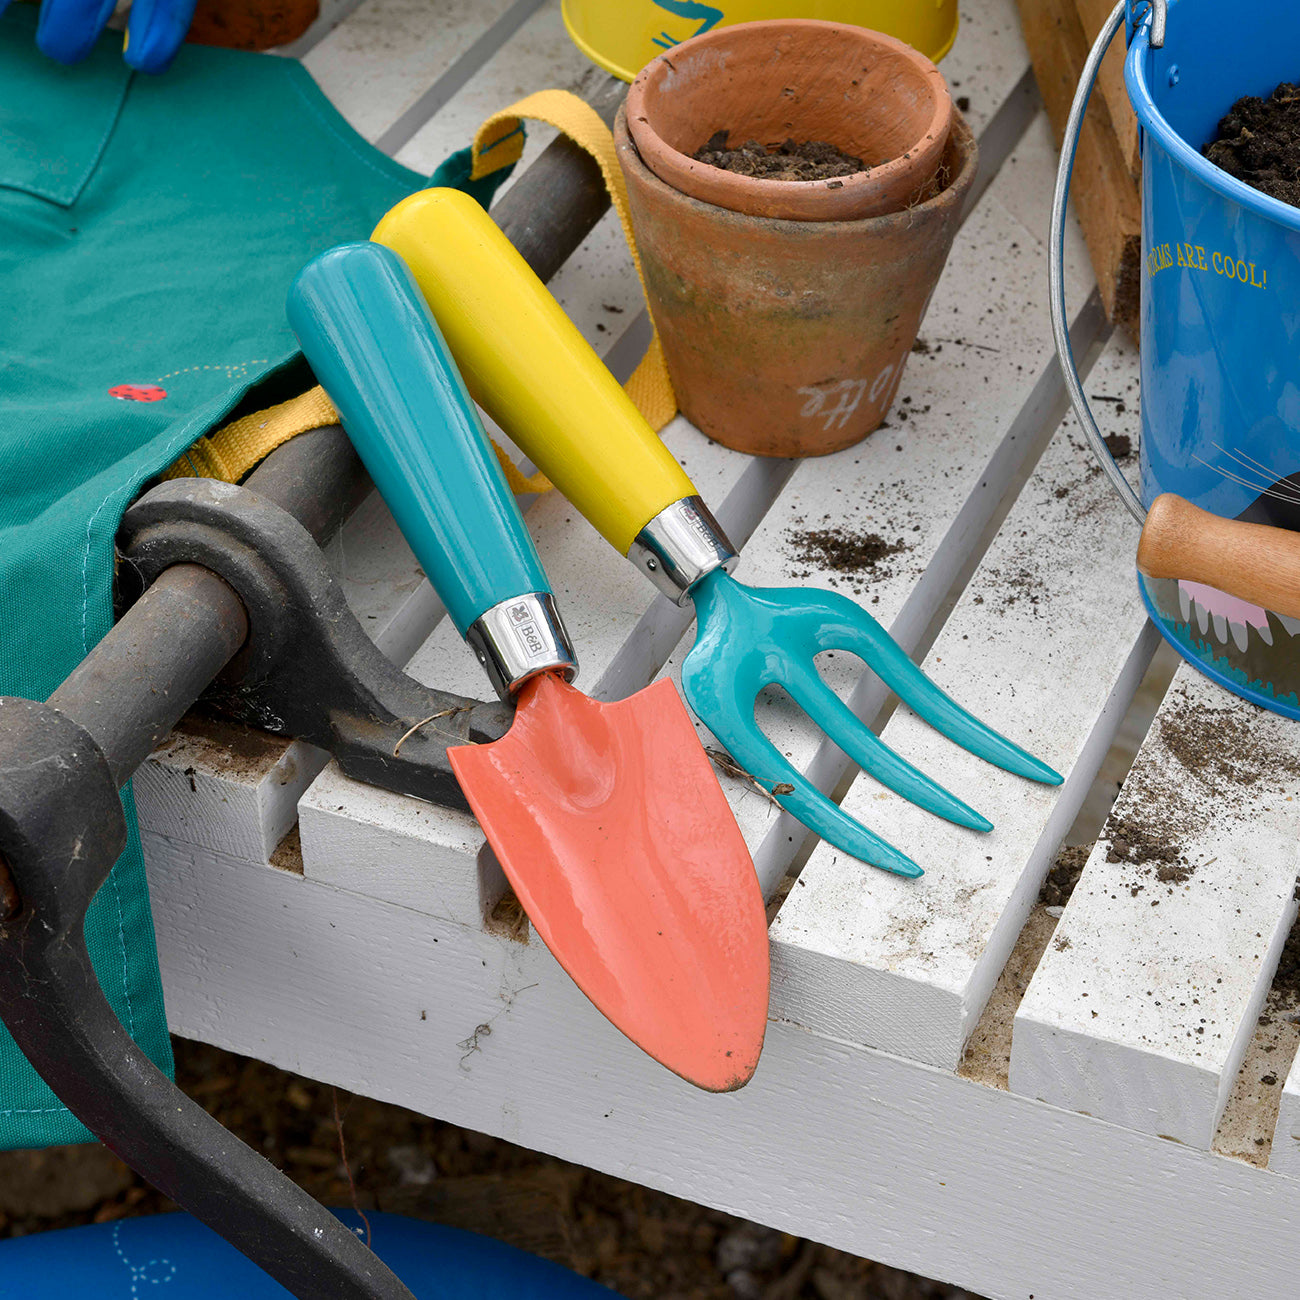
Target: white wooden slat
point(987, 59)
point(224, 786)
point(539, 56)
point(1142, 1009)
point(398, 849)
point(388, 52)
point(1047, 645)
point(865, 1151)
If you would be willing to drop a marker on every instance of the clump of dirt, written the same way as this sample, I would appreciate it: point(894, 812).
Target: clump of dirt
point(804, 160)
point(1131, 841)
point(1259, 143)
point(1064, 875)
point(1119, 445)
point(842, 551)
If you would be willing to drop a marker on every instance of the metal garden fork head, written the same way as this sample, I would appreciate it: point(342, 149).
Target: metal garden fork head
point(526, 364)
point(749, 638)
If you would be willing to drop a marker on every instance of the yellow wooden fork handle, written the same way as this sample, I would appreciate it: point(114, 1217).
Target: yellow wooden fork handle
point(528, 367)
point(1254, 562)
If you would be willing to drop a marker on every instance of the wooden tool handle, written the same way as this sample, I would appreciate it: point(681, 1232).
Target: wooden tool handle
point(1251, 561)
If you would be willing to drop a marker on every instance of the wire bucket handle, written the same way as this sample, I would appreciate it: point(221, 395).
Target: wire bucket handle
point(1128, 15)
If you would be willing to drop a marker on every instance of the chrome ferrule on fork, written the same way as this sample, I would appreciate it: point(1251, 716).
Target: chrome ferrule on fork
point(519, 638)
point(679, 546)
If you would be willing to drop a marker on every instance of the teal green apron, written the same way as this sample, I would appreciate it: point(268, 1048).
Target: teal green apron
point(149, 231)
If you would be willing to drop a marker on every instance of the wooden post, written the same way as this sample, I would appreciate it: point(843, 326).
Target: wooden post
point(1104, 190)
point(1110, 81)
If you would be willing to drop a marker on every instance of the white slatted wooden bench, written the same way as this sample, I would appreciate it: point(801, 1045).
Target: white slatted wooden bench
point(1128, 1124)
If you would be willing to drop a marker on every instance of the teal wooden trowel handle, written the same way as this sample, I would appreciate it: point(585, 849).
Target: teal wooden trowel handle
point(365, 329)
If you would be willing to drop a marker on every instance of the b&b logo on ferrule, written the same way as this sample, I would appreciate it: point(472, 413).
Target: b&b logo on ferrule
point(525, 626)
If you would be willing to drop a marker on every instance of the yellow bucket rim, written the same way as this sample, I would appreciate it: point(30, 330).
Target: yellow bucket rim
point(610, 61)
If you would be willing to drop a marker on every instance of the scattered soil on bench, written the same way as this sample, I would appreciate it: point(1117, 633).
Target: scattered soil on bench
point(806, 160)
point(842, 551)
point(1259, 143)
point(1222, 749)
point(640, 1242)
point(1020, 582)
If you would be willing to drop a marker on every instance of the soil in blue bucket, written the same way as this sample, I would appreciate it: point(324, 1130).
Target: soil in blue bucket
point(1258, 142)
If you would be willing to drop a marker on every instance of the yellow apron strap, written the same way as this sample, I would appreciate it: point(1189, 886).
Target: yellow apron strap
point(232, 451)
point(499, 142)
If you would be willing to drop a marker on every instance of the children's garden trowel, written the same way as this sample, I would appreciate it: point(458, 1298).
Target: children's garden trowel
point(607, 818)
point(532, 371)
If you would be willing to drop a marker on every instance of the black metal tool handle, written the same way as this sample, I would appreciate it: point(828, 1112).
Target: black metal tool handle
point(61, 829)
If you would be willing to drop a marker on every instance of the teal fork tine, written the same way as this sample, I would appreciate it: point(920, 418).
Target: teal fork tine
point(753, 637)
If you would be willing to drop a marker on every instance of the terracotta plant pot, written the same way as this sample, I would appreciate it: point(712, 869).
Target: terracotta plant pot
point(251, 24)
point(788, 337)
point(868, 94)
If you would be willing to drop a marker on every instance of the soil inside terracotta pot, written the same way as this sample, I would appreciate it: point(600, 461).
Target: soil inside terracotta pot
point(1259, 143)
point(807, 160)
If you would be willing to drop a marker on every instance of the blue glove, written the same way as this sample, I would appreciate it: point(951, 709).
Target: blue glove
point(68, 29)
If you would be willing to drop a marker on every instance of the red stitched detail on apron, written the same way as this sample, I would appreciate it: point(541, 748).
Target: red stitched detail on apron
point(137, 392)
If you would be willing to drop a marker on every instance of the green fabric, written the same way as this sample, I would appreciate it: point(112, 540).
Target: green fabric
point(453, 173)
point(149, 231)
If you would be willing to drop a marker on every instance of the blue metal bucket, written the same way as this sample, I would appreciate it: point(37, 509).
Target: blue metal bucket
point(1220, 326)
